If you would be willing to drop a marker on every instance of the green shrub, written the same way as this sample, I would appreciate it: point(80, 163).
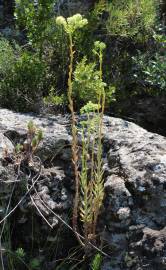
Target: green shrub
point(131, 18)
point(37, 18)
point(21, 88)
point(150, 72)
point(87, 84)
point(54, 99)
point(7, 57)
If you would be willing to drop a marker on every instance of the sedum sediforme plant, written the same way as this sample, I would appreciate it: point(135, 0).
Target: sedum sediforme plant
point(70, 25)
point(25, 152)
point(92, 188)
point(99, 47)
point(89, 190)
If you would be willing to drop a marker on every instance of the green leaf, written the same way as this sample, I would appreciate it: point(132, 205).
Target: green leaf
point(20, 253)
point(96, 263)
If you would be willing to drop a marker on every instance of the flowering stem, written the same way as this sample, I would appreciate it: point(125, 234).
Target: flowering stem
point(74, 142)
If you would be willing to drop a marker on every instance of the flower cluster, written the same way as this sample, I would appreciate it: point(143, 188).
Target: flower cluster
point(71, 24)
point(99, 47)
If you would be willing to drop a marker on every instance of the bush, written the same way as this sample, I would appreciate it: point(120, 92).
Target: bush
point(22, 79)
point(131, 18)
point(150, 72)
point(7, 57)
point(37, 18)
point(87, 83)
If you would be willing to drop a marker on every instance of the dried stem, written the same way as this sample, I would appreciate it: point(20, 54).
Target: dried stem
point(74, 142)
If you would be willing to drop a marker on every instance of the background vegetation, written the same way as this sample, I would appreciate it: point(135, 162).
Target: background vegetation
point(34, 60)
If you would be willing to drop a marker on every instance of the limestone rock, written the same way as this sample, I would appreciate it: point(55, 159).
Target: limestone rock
point(133, 217)
point(136, 191)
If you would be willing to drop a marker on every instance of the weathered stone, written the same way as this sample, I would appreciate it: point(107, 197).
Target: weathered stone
point(134, 209)
point(5, 144)
point(138, 189)
point(56, 136)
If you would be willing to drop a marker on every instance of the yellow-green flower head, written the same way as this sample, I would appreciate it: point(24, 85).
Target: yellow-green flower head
point(99, 45)
point(72, 23)
point(60, 20)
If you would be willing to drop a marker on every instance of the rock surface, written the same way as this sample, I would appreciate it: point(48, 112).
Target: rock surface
point(135, 202)
point(133, 218)
point(148, 112)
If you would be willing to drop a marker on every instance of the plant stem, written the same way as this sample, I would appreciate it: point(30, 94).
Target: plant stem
point(74, 142)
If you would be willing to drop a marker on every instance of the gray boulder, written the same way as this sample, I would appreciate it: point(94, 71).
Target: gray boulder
point(133, 217)
point(135, 202)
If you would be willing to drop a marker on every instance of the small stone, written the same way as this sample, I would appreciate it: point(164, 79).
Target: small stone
point(123, 213)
